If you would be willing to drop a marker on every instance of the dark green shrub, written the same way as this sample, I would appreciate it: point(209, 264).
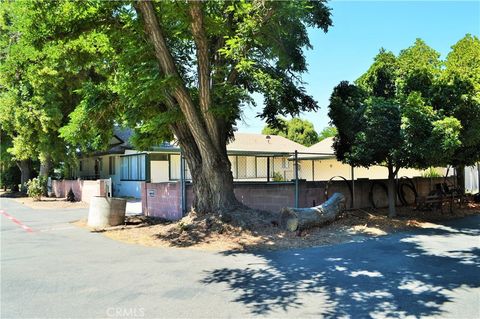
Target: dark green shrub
point(70, 195)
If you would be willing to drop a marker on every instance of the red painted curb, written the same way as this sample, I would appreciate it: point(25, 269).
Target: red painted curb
point(16, 221)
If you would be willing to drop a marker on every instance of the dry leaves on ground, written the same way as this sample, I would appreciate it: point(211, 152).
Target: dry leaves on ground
point(211, 233)
point(50, 203)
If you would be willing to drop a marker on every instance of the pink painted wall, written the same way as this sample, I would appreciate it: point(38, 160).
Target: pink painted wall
point(62, 187)
point(83, 190)
point(164, 199)
point(92, 188)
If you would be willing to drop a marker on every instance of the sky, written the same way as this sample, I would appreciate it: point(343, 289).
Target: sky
point(360, 29)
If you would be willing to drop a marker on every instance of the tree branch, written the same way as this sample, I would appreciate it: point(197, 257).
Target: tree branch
point(397, 169)
point(233, 74)
point(167, 64)
point(204, 94)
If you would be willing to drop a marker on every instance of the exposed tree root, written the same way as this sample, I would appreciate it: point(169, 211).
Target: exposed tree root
point(215, 233)
point(195, 228)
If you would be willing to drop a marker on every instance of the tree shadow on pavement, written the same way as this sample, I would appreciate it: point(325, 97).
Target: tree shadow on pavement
point(406, 274)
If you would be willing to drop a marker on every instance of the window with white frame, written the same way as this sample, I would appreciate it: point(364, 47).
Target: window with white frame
point(174, 167)
point(132, 167)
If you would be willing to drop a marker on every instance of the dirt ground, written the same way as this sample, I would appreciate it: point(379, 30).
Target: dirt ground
point(212, 234)
point(45, 202)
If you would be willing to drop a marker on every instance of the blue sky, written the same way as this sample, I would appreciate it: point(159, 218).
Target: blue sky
point(360, 29)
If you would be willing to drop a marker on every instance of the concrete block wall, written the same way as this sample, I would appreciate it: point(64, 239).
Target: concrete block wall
point(270, 197)
point(92, 188)
point(83, 190)
point(310, 193)
point(264, 196)
point(164, 199)
point(61, 188)
point(423, 187)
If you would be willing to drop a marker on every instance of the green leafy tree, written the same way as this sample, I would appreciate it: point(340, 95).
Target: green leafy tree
point(380, 125)
point(329, 131)
point(464, 60)
point(457, 93)
point(296, 129)
point(418, 68)
point(451, 87)
point(182, 69)
point(8, 100)
point(38, 89)
point(10, 176)
point(380, 78)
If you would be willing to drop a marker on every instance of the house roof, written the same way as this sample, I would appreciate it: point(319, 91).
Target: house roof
point(244, 143)
point(250, 143)
point(263, 144)
point(324, 146)
point(323, 149)
point(119, 142)
point(123, 134)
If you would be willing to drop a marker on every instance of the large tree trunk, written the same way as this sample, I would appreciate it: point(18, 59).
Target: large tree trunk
point(201, 135)
point(460, 173)
point(44, 169)
point(294, 219)
point(391, 192)
point(45, 166)
point(212, 181)
point(213, 189)
point(24, 166)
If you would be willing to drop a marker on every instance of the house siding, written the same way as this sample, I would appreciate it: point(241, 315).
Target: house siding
point(325, 169)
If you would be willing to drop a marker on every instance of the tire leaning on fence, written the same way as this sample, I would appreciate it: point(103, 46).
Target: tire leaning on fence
point(405, 185)
point(346, 182)
point(371, 196)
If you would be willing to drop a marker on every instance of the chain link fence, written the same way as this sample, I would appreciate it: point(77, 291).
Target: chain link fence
point(302, 179)
point(271, 168)
point(307, 168)
point(284, 167)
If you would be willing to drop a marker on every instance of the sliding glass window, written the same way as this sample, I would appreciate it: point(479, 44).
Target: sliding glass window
point(133, 167)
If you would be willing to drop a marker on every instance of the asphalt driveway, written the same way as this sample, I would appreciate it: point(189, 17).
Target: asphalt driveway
point(51, 269)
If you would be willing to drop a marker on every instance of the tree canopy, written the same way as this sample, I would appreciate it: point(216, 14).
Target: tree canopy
point(296, 129)
point(386, 117)
point(329, 131)
point(457, 93)
point(167, 68)
point(38, 89)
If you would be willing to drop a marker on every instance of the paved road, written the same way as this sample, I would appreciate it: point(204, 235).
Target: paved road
point(59, 271)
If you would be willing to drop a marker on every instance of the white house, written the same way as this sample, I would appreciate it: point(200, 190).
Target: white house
point(254, 158)
point(321, 164)
point(113, 164)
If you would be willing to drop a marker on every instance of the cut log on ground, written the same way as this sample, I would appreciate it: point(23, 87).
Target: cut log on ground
point(294, 219)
